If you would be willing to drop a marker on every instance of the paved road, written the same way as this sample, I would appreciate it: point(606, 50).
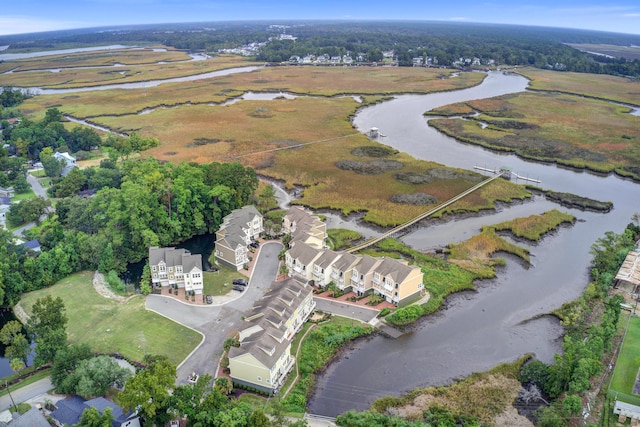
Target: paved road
point(25, 393)
point(363, 314)
point(217, 322)
point(37, 188)
point(39, 191)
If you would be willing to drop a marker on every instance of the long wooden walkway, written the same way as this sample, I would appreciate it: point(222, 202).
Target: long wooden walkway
point(420, 217)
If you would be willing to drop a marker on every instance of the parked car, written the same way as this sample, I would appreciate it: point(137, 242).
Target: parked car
point(240, 282)
point(209, 299)
point(254, 244)
point(238, 288)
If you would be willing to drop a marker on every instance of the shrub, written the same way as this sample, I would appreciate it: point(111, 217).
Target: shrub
point(385, 311)
point(114, 282)
point(406, 315)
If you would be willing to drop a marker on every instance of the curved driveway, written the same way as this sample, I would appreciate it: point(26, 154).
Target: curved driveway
point(217, 322)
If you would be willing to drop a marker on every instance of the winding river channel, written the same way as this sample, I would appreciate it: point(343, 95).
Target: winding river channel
point(476, 330)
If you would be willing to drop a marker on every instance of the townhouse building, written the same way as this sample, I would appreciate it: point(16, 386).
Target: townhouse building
point(299, 260)
point(304, 226)
point(237, 231)
point(176, 267)
point(264, 357)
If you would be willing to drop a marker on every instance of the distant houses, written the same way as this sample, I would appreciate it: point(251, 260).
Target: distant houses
point(176, 267)
point(310, 261)
point(237, 231)
point(5, 205)
point(264, 357)
point(7, 192)
point(68, 160)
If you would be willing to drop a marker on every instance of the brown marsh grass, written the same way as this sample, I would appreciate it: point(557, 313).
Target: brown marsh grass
point(82, 77)
point(323, 81)
point(603, 86)
point(535, 226)
point(572, 130)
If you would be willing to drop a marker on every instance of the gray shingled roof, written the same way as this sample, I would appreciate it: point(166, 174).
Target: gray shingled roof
point(303, 252)
point(190, 261)
point(366, 263)
point(327, 258)
point(345, 261)
point(285, 296)
point(395, 269)
point(32, 418)
point(243, 215)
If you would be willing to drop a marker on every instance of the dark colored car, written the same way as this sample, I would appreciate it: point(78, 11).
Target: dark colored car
point(208, 299)
point(238, 288)
point(254, 244)
point(240, 282)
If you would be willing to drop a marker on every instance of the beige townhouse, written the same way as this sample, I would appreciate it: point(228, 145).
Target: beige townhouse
point(362, 274)
point(176, 267)
point(397, 282)
point(237, 231)
point(299, 260)
point(304, 226)
point(264, 357)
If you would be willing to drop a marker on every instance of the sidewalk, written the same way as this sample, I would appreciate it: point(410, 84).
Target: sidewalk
point(361, 303)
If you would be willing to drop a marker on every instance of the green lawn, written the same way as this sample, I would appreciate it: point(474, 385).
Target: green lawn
point(109, 326)
point(220, 282)
point(45, 182)
point(624, 376)
point(22, 196)
point(38, 173)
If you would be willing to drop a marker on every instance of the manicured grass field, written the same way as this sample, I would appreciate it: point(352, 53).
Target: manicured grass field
point(624, 375)
point(108, 326)
point(220, 282)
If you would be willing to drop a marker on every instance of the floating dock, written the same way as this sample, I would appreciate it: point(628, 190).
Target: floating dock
point(507, 173)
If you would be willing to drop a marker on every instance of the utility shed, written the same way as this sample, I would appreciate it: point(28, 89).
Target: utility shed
point(626, 410)
point(628, 276)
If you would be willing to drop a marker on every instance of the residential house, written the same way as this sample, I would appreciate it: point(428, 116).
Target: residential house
point(69, 412)
point(628, 276)
point(264, 358)
point(176, 267)
point(299, 260)
point(342, 269)
point(32, 418)
point(362, 274)
point(34, 245)
point(304, 227)
point(397, 282)
point(69, 162)
point(7, 192)
point(237, 231)
point(5, 205)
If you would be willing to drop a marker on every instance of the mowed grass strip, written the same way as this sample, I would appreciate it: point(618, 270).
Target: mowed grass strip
point(571, 130)
point(624, 375)
point(108, 326)
point(603, 86)
point(321, 81)
point(535, 226)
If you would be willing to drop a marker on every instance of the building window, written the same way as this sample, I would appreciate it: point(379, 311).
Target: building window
point(259, 378)
point(268, 381)
point(396, 286)
point(153, 268)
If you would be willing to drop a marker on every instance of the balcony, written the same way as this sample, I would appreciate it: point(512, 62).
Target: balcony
point(376, 281)
point(388, 287)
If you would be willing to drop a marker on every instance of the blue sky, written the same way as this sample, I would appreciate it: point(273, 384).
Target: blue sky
point(44, 15)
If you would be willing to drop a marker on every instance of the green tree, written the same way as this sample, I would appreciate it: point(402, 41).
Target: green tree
point(27, 211)
point(96, 375)
point(91, 417)
point(65, 363)
point(267, 198)
point(16, 343)
point(150, 390)
point(48, 325)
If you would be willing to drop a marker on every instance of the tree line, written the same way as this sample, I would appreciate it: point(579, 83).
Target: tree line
point(140, 203)
point(505, 44)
